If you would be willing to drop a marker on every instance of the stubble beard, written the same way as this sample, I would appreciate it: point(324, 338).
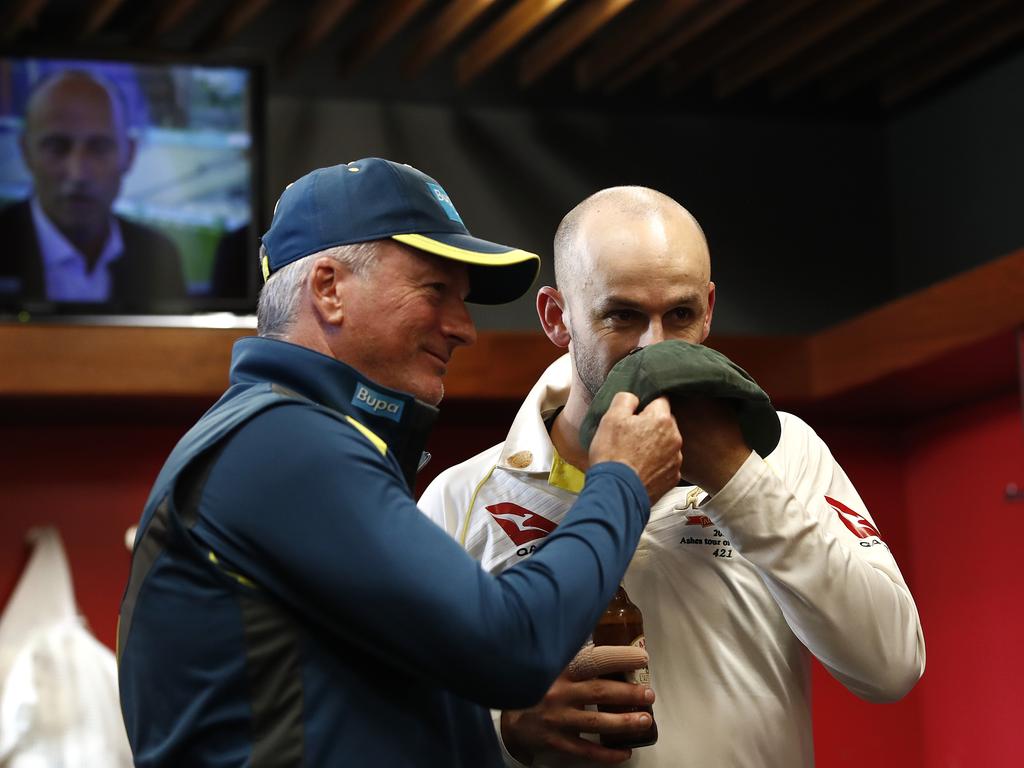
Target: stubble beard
point(589, 370)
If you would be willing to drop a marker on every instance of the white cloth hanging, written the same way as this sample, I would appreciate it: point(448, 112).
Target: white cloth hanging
point(58, 685)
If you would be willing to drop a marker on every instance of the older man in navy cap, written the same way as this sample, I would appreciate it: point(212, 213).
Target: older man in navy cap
point(288, 604)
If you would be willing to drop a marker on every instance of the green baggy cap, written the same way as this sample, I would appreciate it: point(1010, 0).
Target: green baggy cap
point(679, 369)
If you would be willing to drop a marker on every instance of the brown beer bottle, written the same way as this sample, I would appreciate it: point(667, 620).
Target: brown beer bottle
point(623, 624)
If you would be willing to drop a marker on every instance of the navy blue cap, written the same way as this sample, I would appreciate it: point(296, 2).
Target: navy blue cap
point(376, 199)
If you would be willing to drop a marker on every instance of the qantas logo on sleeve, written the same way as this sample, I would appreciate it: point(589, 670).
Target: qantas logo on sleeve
point(859, 525)
point(521, 525)
point(702, 520)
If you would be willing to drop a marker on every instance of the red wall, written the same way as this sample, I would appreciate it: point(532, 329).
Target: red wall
point(970, 583)
point(90, 481)
point(849, 732)
point(935, 490)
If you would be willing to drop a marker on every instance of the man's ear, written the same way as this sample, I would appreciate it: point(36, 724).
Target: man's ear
point(554, 316)
point(326, 283)
point(711, 310)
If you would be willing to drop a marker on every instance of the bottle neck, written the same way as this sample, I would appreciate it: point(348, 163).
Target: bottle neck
point(620, 599)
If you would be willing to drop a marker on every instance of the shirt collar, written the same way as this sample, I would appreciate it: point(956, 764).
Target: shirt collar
point(57, 250)
point(528, 447)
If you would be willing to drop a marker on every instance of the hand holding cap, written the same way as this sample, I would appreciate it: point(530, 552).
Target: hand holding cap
point(679, 369)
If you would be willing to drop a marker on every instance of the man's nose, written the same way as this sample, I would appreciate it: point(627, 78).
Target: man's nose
point(76, 164)
point(655, 332)
point(459, 326)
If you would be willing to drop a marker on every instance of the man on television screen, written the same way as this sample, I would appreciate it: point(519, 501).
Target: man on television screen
point(64, 243)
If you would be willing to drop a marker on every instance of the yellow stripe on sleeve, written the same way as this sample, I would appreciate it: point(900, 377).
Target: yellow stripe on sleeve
point(243, 580)
point(379, 444)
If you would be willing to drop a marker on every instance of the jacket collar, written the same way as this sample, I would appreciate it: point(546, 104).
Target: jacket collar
point(397, 418)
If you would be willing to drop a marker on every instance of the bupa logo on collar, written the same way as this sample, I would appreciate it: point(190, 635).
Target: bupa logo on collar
point(372, 401)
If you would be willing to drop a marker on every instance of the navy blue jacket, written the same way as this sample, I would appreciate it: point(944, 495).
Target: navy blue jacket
point(289, 605)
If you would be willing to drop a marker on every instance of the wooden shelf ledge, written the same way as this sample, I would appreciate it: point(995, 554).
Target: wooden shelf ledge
point(115, 361)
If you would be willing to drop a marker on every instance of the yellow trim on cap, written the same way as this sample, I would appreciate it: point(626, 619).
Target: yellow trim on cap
point(424, 243)
point(379, 444)
point(265, 265)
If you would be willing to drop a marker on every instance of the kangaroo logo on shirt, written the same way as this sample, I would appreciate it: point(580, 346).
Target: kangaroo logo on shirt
point(859, 526)
point(693, 501)
point(520, 524)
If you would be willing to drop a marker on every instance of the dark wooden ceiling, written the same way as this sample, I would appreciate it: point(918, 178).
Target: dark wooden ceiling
point(825, 52)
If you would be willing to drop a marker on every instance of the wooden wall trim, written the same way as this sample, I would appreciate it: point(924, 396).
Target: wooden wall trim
point(78, 361)
point(88, 360)
point(906, 333)
point(501, 365)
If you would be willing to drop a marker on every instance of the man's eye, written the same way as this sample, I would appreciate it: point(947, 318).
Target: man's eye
point(682, 313)
point(621, 316)
point(56, 145)
point(101, 146)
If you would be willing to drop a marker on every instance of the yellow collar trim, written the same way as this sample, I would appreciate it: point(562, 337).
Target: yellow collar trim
point(564, 475)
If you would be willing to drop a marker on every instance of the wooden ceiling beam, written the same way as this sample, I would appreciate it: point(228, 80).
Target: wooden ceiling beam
point(233, 21)
point(21, 14)
point(387, 22)
point(807, 29)
point(455, 19)
point(650, 23)
point(696, 26)
point(939, 63)
point(97, 17)
point(320, 21)
point(855, 39)
point(877, 61)
point(715, 48)
point(171, 14)
point(518, 22)
point(569, 35)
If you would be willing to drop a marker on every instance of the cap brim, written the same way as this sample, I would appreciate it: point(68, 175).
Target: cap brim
point(497, 273)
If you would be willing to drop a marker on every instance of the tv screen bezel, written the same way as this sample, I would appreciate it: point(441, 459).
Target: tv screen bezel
point(193, 311)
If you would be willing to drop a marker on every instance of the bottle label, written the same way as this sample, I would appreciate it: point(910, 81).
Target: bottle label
point(640, 676)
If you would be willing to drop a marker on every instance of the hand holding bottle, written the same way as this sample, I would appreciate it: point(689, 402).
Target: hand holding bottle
point(555, 724)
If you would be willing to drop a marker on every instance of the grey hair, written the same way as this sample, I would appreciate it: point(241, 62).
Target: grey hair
point(278, 305)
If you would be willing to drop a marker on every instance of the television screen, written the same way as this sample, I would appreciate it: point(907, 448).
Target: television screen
point(127, 187)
